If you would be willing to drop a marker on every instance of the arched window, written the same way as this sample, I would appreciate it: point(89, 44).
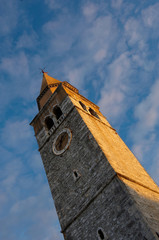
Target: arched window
point(101, 234)
point(49, 122)
point(83, 105)
point(57, 111)
point(93, 113)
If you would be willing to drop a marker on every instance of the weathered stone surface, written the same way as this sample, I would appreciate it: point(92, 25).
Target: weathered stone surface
point(111, 191)
point(83, 155)
point(114, 211)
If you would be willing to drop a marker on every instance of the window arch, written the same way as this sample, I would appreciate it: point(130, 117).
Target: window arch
point(49, 122)
point(57, 112)
point(92, 112)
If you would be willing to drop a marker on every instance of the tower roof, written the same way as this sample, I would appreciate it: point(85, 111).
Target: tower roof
point(47, 80)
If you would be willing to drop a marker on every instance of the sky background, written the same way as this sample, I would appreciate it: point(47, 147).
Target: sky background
point(108, 49)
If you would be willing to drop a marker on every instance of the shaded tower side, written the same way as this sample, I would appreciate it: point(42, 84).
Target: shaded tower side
point(99, 188)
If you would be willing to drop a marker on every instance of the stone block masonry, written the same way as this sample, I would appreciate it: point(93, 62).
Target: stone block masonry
point(100, 189)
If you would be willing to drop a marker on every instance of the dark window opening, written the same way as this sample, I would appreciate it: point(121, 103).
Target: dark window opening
point(101, 234)
point(83, 105)
point(57, 111)
point(93, 113)
point(76, 175)
point(49, 123)
point(157, 234)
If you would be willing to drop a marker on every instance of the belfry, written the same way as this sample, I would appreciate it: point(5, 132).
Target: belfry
point(100, 190)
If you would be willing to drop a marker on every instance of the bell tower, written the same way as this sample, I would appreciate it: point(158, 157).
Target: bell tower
point(99, 188)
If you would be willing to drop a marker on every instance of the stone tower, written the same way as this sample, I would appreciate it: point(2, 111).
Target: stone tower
point(99, 188)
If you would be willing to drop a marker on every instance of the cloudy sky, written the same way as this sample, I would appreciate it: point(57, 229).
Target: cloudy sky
point(108, 49)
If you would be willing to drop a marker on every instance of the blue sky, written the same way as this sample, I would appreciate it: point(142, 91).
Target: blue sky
point(109, 51)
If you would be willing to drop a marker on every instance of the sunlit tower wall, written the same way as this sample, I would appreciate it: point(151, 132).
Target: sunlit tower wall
point(100, 190)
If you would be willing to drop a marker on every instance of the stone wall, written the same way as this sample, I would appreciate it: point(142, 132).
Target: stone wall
point(114, 211)
point(100, 197)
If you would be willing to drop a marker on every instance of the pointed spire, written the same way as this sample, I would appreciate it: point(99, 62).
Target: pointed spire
point(48, 87)
point(47, 80)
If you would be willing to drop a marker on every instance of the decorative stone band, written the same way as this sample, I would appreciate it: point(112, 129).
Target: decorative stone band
point(70, 86)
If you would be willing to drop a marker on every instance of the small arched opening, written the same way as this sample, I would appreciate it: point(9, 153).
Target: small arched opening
point(101, 234)
point(83, 105)
point(93, 113)
point(76, 175)
point(57, 112)
point(49, 122)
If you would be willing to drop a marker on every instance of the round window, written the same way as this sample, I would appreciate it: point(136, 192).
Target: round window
point(62, 141)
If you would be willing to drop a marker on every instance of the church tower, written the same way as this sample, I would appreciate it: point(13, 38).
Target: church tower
point(100, 190)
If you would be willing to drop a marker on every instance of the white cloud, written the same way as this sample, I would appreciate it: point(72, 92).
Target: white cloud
point(114, 92)
point(81, 45)
point(8, 16)
point(135, 33)
point(16, 65)
point(154, 169)
point(100, 55)
point(101, 32)
point(112, 102)
point(150, 16)
point(25, 200)
point(116, 3)
point(74, 76)
point(5, 96)
point(12, 166)
point(90, 10)
point(139, 30)
point(144, 133)
point(141, 60)
point(54, 4)
point(27, 40)
point(3, 199)
point(147, 112)
point(20, 72)
point(60, 40)
point(20, 205)
point(16, 135)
